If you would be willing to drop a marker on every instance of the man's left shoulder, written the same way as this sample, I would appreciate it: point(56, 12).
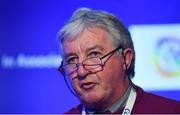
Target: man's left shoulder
point(160, 100)
point(155, 104)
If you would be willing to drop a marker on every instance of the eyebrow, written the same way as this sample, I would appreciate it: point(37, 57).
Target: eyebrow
point(69, 54)
point(87, 50)
point(95, 47)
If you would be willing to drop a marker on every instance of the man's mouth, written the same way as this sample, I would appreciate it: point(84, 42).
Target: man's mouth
point(88, 86)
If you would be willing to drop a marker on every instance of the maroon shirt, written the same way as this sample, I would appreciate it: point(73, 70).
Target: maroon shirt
point(146, 103)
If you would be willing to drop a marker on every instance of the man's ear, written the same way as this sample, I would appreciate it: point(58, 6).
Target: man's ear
point(128, 56)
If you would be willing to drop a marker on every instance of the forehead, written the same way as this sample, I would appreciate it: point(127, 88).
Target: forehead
point(87, 39)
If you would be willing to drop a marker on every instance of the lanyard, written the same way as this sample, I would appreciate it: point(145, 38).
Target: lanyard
point(129, 105)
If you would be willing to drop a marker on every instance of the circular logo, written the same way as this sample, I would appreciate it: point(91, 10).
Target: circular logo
point(167, 56)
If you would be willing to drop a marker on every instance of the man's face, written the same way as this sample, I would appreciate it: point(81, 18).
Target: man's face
point(101, 89)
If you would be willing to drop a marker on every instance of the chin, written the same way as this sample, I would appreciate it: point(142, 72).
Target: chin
point(92, 101)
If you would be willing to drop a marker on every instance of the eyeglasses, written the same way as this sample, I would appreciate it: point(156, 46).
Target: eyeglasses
point(92, 65)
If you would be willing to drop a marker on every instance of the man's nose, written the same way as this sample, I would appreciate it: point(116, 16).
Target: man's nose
point(82, 72)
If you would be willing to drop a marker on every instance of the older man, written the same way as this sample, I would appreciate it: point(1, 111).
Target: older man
point(99, 60)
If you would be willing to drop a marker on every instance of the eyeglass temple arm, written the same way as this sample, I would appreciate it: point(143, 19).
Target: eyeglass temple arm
point(119, 47)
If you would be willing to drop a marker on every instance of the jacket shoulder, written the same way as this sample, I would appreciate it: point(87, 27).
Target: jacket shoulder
point(151, 103)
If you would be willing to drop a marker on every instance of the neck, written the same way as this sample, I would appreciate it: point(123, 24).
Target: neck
point(122, 92)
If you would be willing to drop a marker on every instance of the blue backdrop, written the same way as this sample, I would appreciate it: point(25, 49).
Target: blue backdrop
point(29, 80)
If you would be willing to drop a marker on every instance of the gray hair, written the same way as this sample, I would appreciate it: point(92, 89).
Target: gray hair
point(85, 18)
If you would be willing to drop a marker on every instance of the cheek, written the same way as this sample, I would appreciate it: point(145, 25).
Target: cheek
point(115, 67)
point(76, 86)
point(105, 78)
point(112, 73)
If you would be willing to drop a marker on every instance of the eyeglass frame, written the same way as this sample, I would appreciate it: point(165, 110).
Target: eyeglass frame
point(61, 68)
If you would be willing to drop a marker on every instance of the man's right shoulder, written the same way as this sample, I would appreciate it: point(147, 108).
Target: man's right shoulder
point(75, 110)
